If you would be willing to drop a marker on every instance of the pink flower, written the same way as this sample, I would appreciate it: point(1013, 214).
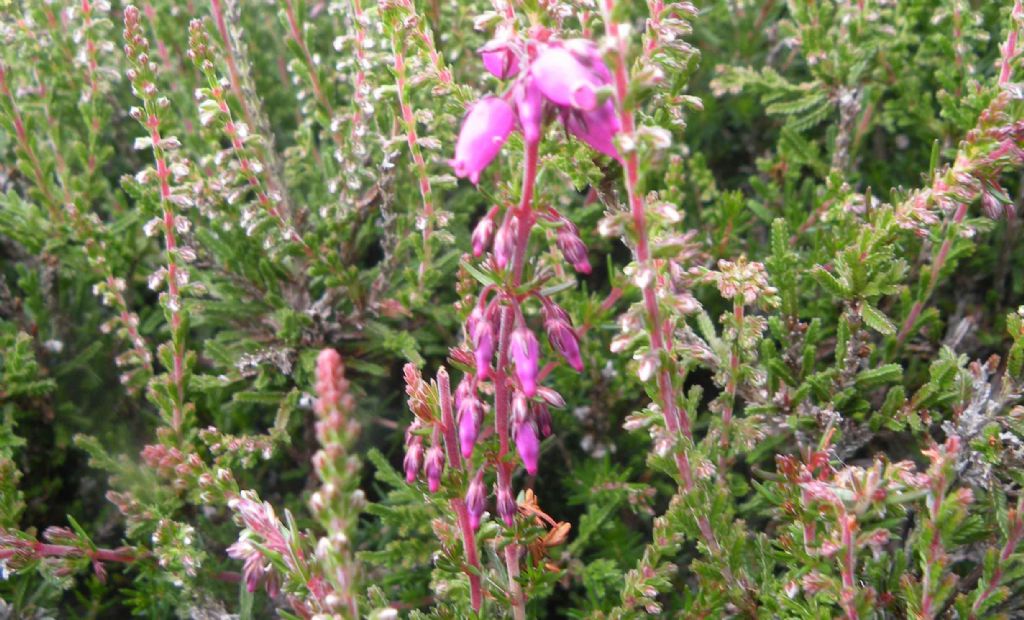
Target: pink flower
point(528, 445)
point(572, 247)
point(565, 80)
point(524, 350)
point(476, 499)
point(504, 242)
point(483, 233)
point(484, 131)
point(433, 466)
point(483, 343)
point(500, 60)
point(596, 128)
point(471, 414)
point(563, 339)
point(530, 106)
point(413, 459)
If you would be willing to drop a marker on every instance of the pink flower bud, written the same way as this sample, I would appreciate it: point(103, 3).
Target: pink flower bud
point(471, 415)
point(543, 417)
point(483, 133)
point(506, 504)
point(565, 80)
point(530, 106)
point(563, 339)
point(476, 499)
point(432, 467)
point(596, 128)
point(551, 397)
point(528, 445)
point(413, 459)
point(572, 247)
point(483, 233)
point(525, 353)
point(483, 346)
point(504, 242)
point(500, 60)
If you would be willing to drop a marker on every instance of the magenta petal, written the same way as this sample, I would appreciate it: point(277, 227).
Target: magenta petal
point(528, 446)
point(483, 133)
point(524, 350)
point(596, 128)
point(501, 62)
point(530, 106)
point(565, 80)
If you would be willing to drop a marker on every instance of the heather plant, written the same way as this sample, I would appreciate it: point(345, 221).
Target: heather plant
point(603, 309)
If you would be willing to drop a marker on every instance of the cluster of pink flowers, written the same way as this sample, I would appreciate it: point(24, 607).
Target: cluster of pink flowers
point(551, 78)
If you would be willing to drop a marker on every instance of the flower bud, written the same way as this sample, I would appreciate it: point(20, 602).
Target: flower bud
point(506, 504)
point(563, 339)
point(504, 243)
point(565, 80)
point(471, 415)
point(528, 445)
point(484, 131)
point(413, 459)
point(483, 346)
point(483, 233)
point(525, 353)
point(476, 499)
point(572, 247)
point(432, 467)
point(543, 416)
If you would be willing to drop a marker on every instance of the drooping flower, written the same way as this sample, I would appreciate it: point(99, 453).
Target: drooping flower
point(483, 233)
point(470, 412)
point(504, 242)
point(433, 466)
point(530, 107)
point(596, 128)
point(500, 59)
point(484, 131)
point(524, 350)
point(572, 247)
point(564, 79)
point(482, 335)
point(476, 499)
point(563, 339)
point(527, 444)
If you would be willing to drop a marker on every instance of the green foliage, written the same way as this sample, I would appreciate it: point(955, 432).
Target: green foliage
point(830, 193)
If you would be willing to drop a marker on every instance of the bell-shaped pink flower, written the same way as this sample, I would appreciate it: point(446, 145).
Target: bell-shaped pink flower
point(476, 499)
point(413, 459)
point(530, 107)
point(504, 242)
point(564, 79)
point(528, 445)
point(471, 413)
point(483, 345)
point(563, 339)
point(524, 350)
point(572, 247)
point(484, 131)
point(483, 233)
point(500, 60)
point(597, 128)
point(433, 466)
